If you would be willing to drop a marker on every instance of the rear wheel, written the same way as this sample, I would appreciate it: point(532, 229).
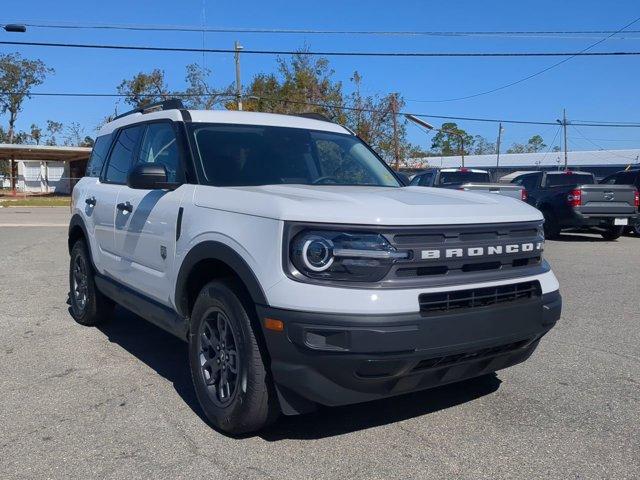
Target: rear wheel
point(88, 306)
point(551, 225)
point(612, 233)
point(229, 374)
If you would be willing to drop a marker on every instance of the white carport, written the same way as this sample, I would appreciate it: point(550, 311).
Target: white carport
point(43, 168)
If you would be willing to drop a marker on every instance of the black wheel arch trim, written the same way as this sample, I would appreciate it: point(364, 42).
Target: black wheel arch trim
point(212, 250)
point(78, 222)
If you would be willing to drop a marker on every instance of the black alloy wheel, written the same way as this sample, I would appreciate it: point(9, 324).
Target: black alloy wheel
point(229, 365)
point(79, 284)
point(219, 359)
point(88, 305)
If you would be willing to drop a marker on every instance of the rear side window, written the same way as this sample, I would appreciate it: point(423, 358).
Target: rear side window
point(121, 157)
point(425, 181)
point(529, 182)
point(626, 178)
point(98, 156)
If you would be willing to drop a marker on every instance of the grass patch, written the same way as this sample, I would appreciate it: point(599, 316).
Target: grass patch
point(35, 202)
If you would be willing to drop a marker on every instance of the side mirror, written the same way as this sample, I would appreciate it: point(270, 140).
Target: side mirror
point(149, 176)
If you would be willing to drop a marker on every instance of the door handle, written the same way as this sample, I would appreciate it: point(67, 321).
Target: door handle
point(91, 201)
point(125, 207)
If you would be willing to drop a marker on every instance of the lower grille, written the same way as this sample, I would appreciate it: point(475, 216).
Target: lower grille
point(485, 353)
point(437, 303)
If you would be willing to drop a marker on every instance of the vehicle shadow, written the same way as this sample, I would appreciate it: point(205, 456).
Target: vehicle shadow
point(333, 421)
point(160, 350)
point(580, 237)
point(167, 355)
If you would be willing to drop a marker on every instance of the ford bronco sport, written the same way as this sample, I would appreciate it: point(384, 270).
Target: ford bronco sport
point(298, 269)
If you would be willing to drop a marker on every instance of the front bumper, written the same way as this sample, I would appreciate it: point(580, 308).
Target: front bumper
point(335, 359)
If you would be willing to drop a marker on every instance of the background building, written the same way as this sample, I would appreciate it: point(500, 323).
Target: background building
point(599, 162)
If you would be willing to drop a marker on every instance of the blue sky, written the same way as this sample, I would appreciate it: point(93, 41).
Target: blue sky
point(602, 88)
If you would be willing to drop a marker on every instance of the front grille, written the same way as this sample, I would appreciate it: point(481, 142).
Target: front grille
point(443, 302)
point(453, 264)
point(484, 353)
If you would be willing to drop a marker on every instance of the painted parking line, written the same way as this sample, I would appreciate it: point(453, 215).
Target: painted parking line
point(34, 225)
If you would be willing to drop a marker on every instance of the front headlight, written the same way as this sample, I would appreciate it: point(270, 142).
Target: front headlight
point(342, 255)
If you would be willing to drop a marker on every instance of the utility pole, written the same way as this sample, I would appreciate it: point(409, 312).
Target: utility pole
point(237, 47)
point(394, 118)
point(498, 147)
point(564, 124)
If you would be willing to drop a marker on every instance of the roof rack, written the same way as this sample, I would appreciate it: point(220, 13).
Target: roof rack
point(315, 116)
point(169, 104)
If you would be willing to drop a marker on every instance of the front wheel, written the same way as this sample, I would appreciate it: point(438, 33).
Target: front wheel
point(228, 370)
point(612, 233)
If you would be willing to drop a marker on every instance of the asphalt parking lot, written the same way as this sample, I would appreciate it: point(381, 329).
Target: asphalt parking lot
point(117, 402)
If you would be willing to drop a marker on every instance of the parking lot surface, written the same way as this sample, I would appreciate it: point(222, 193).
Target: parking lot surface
point(117, 402)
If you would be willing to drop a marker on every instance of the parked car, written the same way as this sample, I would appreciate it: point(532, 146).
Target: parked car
point(296, 266)
point(573, 201)
point(468, 179)
point(626, 177)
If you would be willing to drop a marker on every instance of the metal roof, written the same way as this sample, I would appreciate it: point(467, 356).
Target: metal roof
point(591, 158)
point(50, 153)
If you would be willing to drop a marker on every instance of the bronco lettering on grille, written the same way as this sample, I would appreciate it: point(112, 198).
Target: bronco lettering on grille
point(475, 252)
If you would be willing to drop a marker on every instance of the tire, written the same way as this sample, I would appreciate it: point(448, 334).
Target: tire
point(229, 374)
point(612, 233)
point(551, 226)
point(89, 307)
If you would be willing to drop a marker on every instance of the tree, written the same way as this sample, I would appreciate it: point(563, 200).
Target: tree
point(74, 135)
point(199, 94)
point(301, 85)
point(533, 145)
point(481, 146)
point(144, 88)
point(448, 140)
point(53, 128)
point(36, 133)
point(17, 76)
point(304, 85)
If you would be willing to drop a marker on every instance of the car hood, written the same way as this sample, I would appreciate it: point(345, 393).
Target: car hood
point(366, 205)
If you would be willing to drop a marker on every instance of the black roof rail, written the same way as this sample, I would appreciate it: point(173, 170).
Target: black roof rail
point(315, 116)
point(169, 104)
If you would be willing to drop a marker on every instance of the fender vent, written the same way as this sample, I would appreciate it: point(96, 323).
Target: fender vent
point(437, 303)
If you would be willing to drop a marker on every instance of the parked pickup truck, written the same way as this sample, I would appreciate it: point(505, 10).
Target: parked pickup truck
point(573, 200)
point(468, 179)
point(626, 177)
point(298, 268)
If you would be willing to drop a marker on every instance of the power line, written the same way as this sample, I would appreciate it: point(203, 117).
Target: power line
point(328, 53)
point(600, 147)
point(323, 105)
point(288, 31)
point(533, 75)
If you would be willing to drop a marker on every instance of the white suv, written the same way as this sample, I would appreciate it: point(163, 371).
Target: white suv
point(297, 266)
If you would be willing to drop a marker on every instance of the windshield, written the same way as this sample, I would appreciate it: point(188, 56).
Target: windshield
point(243, 155)
point(569, 179)
point(452, 178)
